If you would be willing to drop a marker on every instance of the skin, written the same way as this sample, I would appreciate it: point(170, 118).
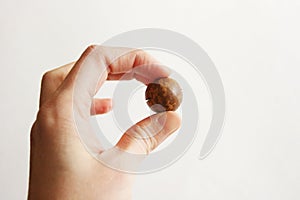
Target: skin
point(60, 166)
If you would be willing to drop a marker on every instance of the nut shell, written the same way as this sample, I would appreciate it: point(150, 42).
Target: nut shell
point(164, 94)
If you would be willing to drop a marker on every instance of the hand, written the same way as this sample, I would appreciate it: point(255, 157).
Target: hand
point(60, 166)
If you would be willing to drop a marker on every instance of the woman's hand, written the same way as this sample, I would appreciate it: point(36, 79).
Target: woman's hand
point(60, 166)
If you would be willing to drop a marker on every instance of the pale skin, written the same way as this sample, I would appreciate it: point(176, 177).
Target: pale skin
point(60, 166)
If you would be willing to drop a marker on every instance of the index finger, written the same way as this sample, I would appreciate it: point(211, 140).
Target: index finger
point(99, 63)
point(127, 63)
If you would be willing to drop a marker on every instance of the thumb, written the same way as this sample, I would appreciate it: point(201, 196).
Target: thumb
point(147, 134)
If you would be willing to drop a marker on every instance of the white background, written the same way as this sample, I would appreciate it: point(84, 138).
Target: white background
point(255, 46)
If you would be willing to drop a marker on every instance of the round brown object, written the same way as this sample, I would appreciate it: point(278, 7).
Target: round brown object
point(164, 94)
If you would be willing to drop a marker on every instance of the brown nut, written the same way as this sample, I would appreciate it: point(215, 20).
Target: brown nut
point(164, 94)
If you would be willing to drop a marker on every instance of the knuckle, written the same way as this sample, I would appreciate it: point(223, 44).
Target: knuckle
point(143, 53)
point(140, 52)
point(51, 114)
point(33, 133)
point(142, 57)
point(45, 117)
point(55, 106)
point(48, 76)
point(91, 48)
point(144, 136)
point(150, 144)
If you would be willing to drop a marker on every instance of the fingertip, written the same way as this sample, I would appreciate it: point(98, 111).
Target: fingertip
point(101, 106)
point(174, 119)
point(170, 122)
